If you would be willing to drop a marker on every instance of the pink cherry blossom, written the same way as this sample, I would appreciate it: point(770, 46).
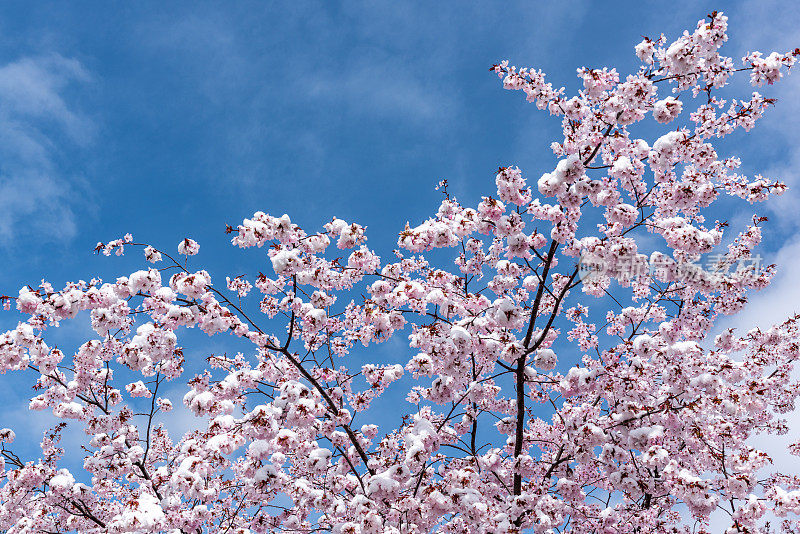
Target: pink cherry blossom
point(518, 391)
point(188, 247)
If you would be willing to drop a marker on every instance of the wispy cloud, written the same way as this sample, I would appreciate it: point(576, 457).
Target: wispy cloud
point(37, 125)
point(381, 89)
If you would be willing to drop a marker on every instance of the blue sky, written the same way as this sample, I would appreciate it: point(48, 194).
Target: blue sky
point(173, 119)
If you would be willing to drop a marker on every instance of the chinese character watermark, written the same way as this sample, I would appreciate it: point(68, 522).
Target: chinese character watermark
point(661, 266)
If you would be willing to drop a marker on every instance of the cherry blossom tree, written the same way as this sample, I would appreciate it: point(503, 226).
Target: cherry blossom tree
point(556, 377)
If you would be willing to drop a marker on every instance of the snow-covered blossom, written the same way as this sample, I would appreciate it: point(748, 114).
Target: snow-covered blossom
point(188, 247)
point(545, 359)
point(151, 254)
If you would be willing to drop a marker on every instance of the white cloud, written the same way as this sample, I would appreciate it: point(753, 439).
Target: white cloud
point(382, 88)
point(37, 123)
